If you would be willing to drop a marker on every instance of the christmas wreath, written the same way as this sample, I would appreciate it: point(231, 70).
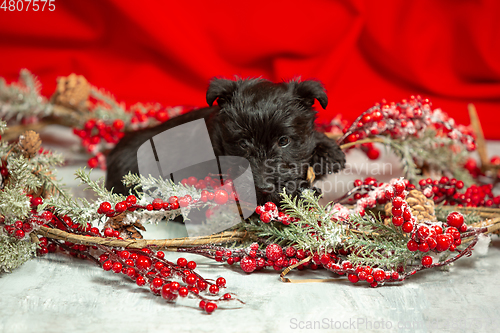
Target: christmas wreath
point(377, 233)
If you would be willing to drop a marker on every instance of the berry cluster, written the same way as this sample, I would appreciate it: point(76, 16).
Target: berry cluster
point(98, 135)
point(145, 267)
point(21, 229)
point(219, 197)
point(269, 212)
point(253, 259)
point(446, 191)
point(475, 170)
point(427, 238)
point(164, 277)
point(407, 118)
point(374, 276)
point(369, 193)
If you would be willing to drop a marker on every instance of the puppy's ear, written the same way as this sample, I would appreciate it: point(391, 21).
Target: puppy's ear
point(220, 90)
point(310, 90)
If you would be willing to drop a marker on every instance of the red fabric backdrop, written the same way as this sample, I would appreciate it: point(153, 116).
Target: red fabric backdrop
point(363, 51)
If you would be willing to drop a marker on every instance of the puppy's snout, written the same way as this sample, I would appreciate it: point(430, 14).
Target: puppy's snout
point(263, 184)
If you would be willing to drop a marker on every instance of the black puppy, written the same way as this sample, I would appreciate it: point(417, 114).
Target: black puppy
point(270, 124)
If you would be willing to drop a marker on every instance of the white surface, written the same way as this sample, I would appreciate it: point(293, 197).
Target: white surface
point(58, 293)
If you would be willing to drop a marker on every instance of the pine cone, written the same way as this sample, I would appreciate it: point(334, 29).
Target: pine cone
point(29, 143)
point(421, 207)
point(72, 91)
point(127, 231)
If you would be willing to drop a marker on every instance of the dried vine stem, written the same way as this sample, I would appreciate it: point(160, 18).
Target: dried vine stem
point(160, 244)
point(490, 225)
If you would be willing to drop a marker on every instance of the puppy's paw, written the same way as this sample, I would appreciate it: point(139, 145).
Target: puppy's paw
point(327, 156)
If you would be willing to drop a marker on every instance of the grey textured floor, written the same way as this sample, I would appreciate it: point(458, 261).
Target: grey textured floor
point(57, 293)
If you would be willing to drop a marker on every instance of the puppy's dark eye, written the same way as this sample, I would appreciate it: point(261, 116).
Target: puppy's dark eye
point(284, 141)
point(243, 144)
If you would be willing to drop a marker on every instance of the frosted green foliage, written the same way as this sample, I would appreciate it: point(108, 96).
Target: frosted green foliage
point(434, 151)
point(14, 253)
point(22, 99)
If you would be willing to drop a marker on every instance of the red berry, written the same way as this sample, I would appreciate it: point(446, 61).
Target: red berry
point(431, 242)
point(107, 265)
point(397, 202)
point(407, 227)
point(290, 251)
point(120, 207)
point(143, 263)
point(157, 283)
point(221, 197)
point(182, 262)
point(265, 217)
point(353, 278)
point(183, 292)
point(227, 296)
point(157, 204)
point(36, 201)
point(270, 206)
point(427, 261)
point(455, 219)
point(191, 279)
point(273, 252)
point(399, 187)
point(423, 247)
point(398, 221)
point(118, 124)
point(373, 154)
point(19, 234)
point(117, 267)
point(93, 162)
point(423, 232)
point(346, 265)
point(213, 289)
point(407, 215)
point(124, 254)
point(397, 211)
point(191, 181)
point(191, 265)
point(248, 264)
point(210, 307)
point(412, 245)
point(160, 254)
point(437, 229)
point(379, 275)
point(140, 280)
point(443, 242)
point(47, 215)
point(202, 285)
point(259, 210)
point(183, 202)
point(221, 282)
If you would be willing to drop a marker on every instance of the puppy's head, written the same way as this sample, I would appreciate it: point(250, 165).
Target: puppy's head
point(272, 126)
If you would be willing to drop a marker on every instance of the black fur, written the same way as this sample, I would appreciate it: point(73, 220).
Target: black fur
point(270, 124)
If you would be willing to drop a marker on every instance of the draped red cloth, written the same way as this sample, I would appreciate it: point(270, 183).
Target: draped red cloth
point(363, 51)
